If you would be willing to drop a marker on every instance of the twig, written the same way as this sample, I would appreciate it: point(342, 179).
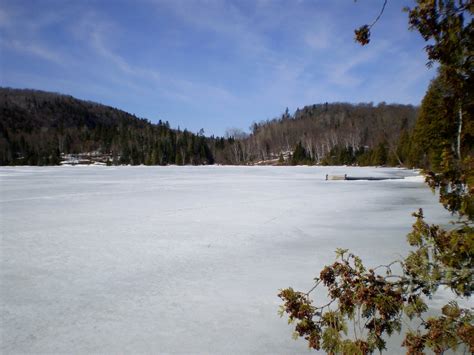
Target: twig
point(380, 14)
point(313, 288)
point(326, 305)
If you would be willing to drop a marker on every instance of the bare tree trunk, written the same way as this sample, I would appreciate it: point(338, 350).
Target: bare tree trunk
point(394, 151)
point(459, 132)
point(183, 155)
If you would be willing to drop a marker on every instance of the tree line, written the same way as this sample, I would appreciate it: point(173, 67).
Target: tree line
point(39, 128)
point(364, 134)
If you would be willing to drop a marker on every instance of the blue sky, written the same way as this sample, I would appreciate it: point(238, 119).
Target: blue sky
point(212, 64)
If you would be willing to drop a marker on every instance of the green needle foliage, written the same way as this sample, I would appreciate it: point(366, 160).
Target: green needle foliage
point(363, 306)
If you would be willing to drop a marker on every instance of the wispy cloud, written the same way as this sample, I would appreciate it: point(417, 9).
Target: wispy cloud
point(210, 59)
point(22, 36)
point(98, 44)
point(99, 34)
point(343, 71)
point(237, 31)
point(34, 49)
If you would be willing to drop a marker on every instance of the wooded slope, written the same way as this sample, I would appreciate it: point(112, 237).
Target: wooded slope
point(41, 128)
point(337, 133)
point(37, 128)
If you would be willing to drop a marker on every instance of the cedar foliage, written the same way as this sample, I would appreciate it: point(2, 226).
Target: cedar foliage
point(376, 300)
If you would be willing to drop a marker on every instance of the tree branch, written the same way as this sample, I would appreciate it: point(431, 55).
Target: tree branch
point(380, 14)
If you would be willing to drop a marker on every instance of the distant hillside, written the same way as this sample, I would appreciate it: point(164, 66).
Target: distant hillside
point(338, 133)
point(41, 128)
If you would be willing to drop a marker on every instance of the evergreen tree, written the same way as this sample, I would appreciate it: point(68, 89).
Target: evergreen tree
point(300, 155)
point(380, 155)
point(433, 132)
point(376, 301)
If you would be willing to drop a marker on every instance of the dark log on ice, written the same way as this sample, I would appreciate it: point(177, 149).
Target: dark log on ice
point(354, 178)
point(372, 178)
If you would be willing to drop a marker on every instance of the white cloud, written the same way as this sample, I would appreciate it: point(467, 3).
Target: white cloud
point(34, 49)
point(341, 70)
point(21, 34)
point(227, 22)
point(99, 45)
point(228, 57)
point(100, 35)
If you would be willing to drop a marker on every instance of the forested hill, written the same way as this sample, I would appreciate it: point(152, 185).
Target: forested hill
point(338, 133)
point(41, 128)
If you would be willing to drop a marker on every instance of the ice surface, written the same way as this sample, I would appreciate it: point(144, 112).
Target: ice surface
point(183, 259)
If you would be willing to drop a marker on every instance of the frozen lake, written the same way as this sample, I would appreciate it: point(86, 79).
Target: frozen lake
point(183, 259)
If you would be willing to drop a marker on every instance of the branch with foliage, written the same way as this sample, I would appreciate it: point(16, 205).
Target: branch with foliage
point(364, 305)
point(362, 34)
point(377, 302)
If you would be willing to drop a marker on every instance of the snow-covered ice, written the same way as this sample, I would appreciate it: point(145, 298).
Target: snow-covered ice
point(183, 259)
